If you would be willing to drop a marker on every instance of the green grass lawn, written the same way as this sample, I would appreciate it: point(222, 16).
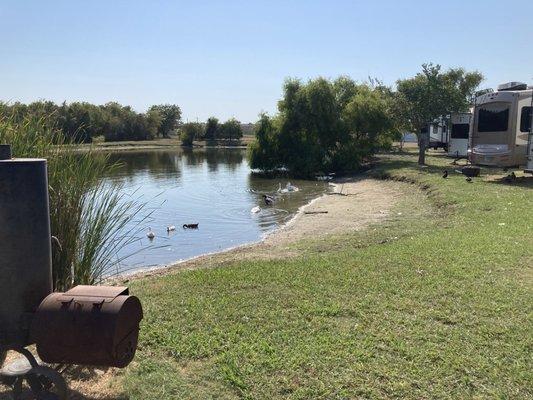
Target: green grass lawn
point(436, 303)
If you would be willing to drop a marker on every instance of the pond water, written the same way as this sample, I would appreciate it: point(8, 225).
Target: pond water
point(213, 188)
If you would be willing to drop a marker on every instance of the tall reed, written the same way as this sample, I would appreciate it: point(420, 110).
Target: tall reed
point(89, 217)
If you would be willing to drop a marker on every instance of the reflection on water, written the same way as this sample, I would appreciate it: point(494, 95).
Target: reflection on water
point(212, 187)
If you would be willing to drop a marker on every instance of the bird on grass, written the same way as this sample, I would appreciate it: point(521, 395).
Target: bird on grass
point(445, 174)
point(150, 235)
point(510, 178)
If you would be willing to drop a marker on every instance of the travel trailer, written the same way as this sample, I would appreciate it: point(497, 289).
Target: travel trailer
point(502, 128)
point(459, 129)
point(438, 134)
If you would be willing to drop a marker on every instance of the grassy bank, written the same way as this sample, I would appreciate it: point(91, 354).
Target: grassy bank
point(172, 142)
point(433, 303)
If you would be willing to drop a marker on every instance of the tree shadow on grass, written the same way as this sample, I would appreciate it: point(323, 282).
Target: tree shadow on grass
point(7, 394)
point(521, 181)
point(79, 379)
point(399, 164)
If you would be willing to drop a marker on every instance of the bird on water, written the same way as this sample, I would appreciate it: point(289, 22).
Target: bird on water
point(150, 234)
point(190, 226)
point(269, 200)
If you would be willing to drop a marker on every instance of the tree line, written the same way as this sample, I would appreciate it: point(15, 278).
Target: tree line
point(332, 126)
point(212, 129)
point(82, 122)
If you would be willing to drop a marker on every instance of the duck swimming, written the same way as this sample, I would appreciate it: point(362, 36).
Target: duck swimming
point(190, 226)
point(171, 228)
point(150, 235)
point(292, 188)
point(269, 200)
point(289, 188)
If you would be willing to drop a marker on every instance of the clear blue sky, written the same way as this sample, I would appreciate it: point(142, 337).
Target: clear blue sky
point(229, 58)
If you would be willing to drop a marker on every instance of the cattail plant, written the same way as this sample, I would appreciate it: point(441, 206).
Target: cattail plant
point(89, 216)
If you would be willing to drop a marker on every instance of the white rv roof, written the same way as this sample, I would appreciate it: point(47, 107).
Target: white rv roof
point(504, 96)
point(512, 86)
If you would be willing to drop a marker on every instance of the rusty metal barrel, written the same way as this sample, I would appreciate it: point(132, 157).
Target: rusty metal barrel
point(25, 246)
point(88, 325)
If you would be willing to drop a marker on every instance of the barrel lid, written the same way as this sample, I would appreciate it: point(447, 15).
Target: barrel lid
point(90, 293)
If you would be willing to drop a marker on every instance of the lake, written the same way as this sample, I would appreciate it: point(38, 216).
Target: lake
point(212, 187)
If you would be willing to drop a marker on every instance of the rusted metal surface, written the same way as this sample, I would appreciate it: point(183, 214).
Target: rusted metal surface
point(25, 248)
point(88, 325)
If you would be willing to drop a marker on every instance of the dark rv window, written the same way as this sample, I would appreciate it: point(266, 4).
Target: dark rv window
point(493, 118)
point(460, 131)
point(525, 119)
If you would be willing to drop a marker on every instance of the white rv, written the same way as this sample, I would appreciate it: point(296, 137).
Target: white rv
point(501, 127)
point(438, 134)
point(459, 129)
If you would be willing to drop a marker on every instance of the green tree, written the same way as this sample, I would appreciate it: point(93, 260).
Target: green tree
point(323, 126)
point(231, 129)
point(263, 153)
point(370, 124)
point(212, 128)
point(190, 132)
point(170, 118)
point(81, 121)
point(431, 94)
point(153, 120)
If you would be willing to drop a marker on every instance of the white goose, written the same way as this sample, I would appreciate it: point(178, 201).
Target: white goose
point(292, 188)
point(171, 228)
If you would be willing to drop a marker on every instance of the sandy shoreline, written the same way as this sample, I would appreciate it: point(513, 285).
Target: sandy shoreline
point(353, 205)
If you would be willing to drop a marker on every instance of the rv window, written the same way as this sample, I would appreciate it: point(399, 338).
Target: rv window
point(525, 119)
point(493, 118)
point(460, 131)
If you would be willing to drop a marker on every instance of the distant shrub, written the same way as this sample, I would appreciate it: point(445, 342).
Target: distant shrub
point(190, 132)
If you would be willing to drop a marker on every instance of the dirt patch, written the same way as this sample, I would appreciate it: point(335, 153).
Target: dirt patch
point(351, 207)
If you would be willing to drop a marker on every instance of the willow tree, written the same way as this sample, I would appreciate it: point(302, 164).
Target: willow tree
point(323, 126)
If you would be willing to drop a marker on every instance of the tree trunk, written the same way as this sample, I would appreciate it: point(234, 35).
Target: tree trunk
point(423, 142)
point(421, 155)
